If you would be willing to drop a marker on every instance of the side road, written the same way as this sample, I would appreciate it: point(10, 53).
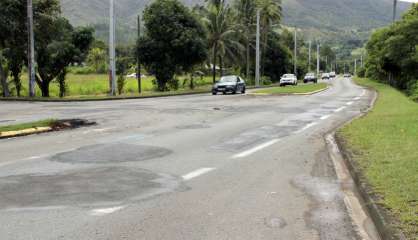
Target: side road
point(380, 148)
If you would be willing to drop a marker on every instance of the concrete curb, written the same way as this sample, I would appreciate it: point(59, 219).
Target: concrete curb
point(24, 132)
point(291, 94)
point(26, 99)
point(379, 216)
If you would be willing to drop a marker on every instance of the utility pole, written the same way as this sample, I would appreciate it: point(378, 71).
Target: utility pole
point(317, 59)
point(138, 72)
point(326, 63)
point(361, 61)
point(295, 55)
point(257, 60)
point(112, 52)
point(395, 3)
point(355, 67)
point(31, 50)
point(310, 48)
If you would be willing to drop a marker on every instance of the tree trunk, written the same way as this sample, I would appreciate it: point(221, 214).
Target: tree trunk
point(45, 88)
point(221, 67)
point(215, 52)
point(17, 82)
point(3, 80)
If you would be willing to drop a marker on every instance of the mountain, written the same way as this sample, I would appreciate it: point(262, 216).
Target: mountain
point(321, 18)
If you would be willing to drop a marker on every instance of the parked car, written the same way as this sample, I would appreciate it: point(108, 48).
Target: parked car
point(325, 76)
point(288, 79)
point(347, 75)
point(133, 75)
point(310, 77)
point(229, 84)
point(332, 74)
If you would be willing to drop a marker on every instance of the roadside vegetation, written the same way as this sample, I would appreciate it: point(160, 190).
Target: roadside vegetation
point(384, 145)
point(179, 49)
point(301, 88)
point(37, 124)
point(392, 54)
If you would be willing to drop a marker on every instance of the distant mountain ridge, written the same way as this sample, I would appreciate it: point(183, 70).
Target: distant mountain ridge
point(317, 15)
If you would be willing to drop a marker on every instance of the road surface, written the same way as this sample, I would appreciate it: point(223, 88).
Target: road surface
point(186, 167)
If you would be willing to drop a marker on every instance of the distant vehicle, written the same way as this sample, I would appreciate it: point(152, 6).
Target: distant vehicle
point(325, 76)
point(288, 79)
point(347, 75)
point(310, 77)
point(229, 84)
point(133, 75)
point(332, 74)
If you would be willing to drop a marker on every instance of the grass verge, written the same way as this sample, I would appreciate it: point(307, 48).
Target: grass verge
point(384, 145)
point(22, 126)
point(302, 88)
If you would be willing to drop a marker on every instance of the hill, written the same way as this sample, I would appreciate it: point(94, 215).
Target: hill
point(325, 19)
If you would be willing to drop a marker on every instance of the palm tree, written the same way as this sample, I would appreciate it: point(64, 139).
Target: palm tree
point(271, 14)
point(222, 33)
point(246, 14)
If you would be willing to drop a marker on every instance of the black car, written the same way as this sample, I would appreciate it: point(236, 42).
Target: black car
point(310, 77)
point(229, 84)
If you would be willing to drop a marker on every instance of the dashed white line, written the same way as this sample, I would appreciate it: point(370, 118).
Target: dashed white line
point(350, 103)
point(197, 173)
point(306, 127)
point(325, 117)
point(256, 149)
point(340, 109)
point(104, 211)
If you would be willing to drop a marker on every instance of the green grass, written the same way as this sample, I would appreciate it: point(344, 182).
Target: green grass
point(385, 146)
point(301, 88)
point(17, 127)
point(97, 85)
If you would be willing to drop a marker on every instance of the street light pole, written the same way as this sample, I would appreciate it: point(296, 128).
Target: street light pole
point(112, 52)
point(257, 61)
point(395, 3)
point(317, 58)
point(295, 55)
point(138, 73)
point(310, 49)
point(31, 50)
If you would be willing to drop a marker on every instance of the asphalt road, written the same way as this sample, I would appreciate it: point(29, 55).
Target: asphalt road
point(187, 167)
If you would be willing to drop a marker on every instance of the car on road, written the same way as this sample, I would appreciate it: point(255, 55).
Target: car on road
point(229, 84)
point(310, 77)
point(288, 79)
point(325, 76)
point(332, 75)
point(347, 75)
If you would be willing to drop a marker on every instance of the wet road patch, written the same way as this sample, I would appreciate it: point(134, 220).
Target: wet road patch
point(88, 187)
point(111, 153)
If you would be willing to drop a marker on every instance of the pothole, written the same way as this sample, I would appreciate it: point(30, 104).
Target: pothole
point(111, 153)
point(87, 187)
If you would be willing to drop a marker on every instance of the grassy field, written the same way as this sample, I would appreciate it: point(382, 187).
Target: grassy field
point(98, 85)
point(17, 127)
point(301, 88)
point(385, 146)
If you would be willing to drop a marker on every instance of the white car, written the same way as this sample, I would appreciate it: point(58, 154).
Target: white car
point(288, 79)
point(133, 75)
point(325, 76)
point(332, 75)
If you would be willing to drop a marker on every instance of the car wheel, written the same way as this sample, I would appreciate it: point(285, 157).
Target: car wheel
point(214, 93)
point(243, 90)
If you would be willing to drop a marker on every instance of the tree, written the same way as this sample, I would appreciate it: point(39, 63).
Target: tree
point(246, 15)
point(222, 39)
point(58, 45)
point(175, 41)
point(96, 59)
point(278, 58)
point(270, 15)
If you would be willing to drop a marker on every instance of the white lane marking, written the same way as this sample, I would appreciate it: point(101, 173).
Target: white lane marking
point(306, 127)
point(197, 173)
point(357, 98)
point(340, 109)
point(256, 149)
point(325, 117)
point(350, 103)
point(104, 211)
